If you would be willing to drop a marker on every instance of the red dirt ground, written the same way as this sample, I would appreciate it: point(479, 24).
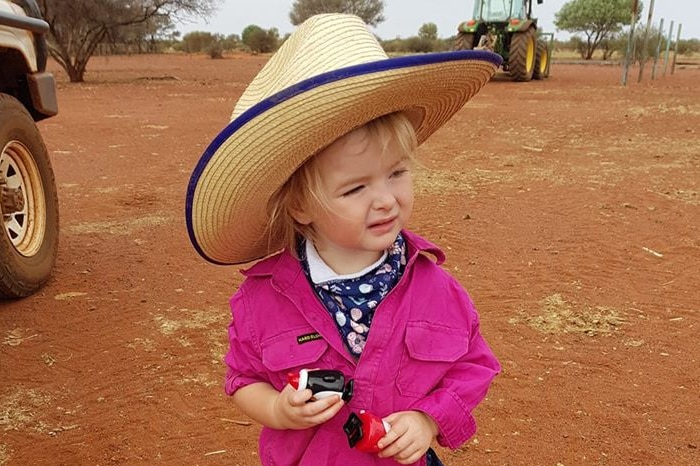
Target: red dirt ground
point(569, 208)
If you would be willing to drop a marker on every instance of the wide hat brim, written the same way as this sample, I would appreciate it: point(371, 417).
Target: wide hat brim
point(257, 152)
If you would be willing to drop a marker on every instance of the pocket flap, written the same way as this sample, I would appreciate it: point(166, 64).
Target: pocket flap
point(428, 341)
point(284, 351)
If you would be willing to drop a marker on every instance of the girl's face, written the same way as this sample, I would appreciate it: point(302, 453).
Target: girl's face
point(369, 199)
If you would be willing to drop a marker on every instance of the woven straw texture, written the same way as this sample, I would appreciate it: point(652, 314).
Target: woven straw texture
point(260, 149)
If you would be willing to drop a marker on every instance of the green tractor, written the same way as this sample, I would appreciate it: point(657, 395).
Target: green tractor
point(507, 28)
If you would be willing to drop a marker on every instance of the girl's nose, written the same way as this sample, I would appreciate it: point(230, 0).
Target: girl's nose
point(384, 198)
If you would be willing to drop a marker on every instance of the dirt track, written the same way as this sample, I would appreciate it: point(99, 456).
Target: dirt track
point(569, 208)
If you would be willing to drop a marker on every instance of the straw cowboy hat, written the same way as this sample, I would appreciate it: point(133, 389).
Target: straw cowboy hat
point(330, 76)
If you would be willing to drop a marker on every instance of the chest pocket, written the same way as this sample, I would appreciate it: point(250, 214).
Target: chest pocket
point(430, 351)
point(284, 353)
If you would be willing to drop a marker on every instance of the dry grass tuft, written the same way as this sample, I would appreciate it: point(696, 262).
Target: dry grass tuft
point(18, 410)
point(557, 317)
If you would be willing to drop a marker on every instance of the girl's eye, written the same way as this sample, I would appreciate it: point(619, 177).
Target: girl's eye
point(354, 190)
point(399, 173)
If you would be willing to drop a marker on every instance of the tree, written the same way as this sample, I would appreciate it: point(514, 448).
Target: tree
point(139, 37)
point(597, 19)
point(231, 42)
point(260, 40)
point(428, 31)
point(369, 10)
point(616, 43)
point(216, 47)
point(212, 44)
point(643, 38)
point(689, 46)
point(415, 44)
point(197, 41)
point(77, 27)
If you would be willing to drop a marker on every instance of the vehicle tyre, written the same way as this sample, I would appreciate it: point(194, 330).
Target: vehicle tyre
point(464, 41)
point(28, 204)
point(541, 70)
point(521, 56)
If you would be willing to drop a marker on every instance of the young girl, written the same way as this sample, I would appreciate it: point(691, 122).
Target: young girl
point(352, 289)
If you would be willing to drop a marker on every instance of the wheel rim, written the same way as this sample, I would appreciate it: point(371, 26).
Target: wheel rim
point(530, 55)
point(24, 227)
point(543, 63)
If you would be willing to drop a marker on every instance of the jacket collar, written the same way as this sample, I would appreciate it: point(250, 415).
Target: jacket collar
point(287, 276)
point(286, 269)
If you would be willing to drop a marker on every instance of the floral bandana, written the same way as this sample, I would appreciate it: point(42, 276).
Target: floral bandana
point(351, 300)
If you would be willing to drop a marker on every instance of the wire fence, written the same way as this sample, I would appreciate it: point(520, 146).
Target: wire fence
point(657, 68)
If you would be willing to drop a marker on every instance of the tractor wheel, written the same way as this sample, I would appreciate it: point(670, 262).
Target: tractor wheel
point(464, 41)
point(521, 57)
point(541, 70)
point(28, 204)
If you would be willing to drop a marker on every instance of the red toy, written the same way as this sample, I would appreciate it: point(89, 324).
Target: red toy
point(323, 383)
point(364, 431)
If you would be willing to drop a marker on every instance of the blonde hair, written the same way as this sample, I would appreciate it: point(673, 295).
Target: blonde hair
point(303, 188)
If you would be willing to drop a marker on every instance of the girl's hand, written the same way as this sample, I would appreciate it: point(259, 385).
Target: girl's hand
point(409, 438)
point(293, 410)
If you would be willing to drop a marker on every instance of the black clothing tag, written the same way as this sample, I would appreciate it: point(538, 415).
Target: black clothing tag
point(301, 339)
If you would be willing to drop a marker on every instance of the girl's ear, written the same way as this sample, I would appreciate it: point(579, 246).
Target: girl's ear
point(300, 216)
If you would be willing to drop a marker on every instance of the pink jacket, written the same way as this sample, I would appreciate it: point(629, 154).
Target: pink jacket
point(424, 352)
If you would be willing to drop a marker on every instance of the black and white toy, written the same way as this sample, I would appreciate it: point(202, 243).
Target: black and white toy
point(323, 383)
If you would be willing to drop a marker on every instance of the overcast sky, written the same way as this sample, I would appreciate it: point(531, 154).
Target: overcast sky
point(405, 17)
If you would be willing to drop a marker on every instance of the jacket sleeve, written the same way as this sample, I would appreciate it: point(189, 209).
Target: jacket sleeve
point(243, 360)
point(465, 383)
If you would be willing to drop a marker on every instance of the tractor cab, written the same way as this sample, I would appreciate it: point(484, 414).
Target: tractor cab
point(508, 28)
point(498, 10)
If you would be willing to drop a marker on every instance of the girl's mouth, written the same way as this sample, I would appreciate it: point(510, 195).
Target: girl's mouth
point(383, 226)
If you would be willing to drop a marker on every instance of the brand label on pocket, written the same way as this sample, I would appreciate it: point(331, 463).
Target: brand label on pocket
point(301, 339)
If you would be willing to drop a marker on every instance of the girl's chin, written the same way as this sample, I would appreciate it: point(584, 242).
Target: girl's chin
point(385, 241)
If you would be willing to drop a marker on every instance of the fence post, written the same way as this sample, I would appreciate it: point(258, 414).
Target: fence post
point(625, 72)
point(675, 49)
point(668, 47)
point(645, 42)
point(658, 49)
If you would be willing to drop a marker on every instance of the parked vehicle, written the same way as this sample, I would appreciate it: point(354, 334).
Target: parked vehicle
point(28, 198)
point(508, 28)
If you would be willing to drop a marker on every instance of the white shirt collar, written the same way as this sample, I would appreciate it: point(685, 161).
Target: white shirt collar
point(321, 273)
